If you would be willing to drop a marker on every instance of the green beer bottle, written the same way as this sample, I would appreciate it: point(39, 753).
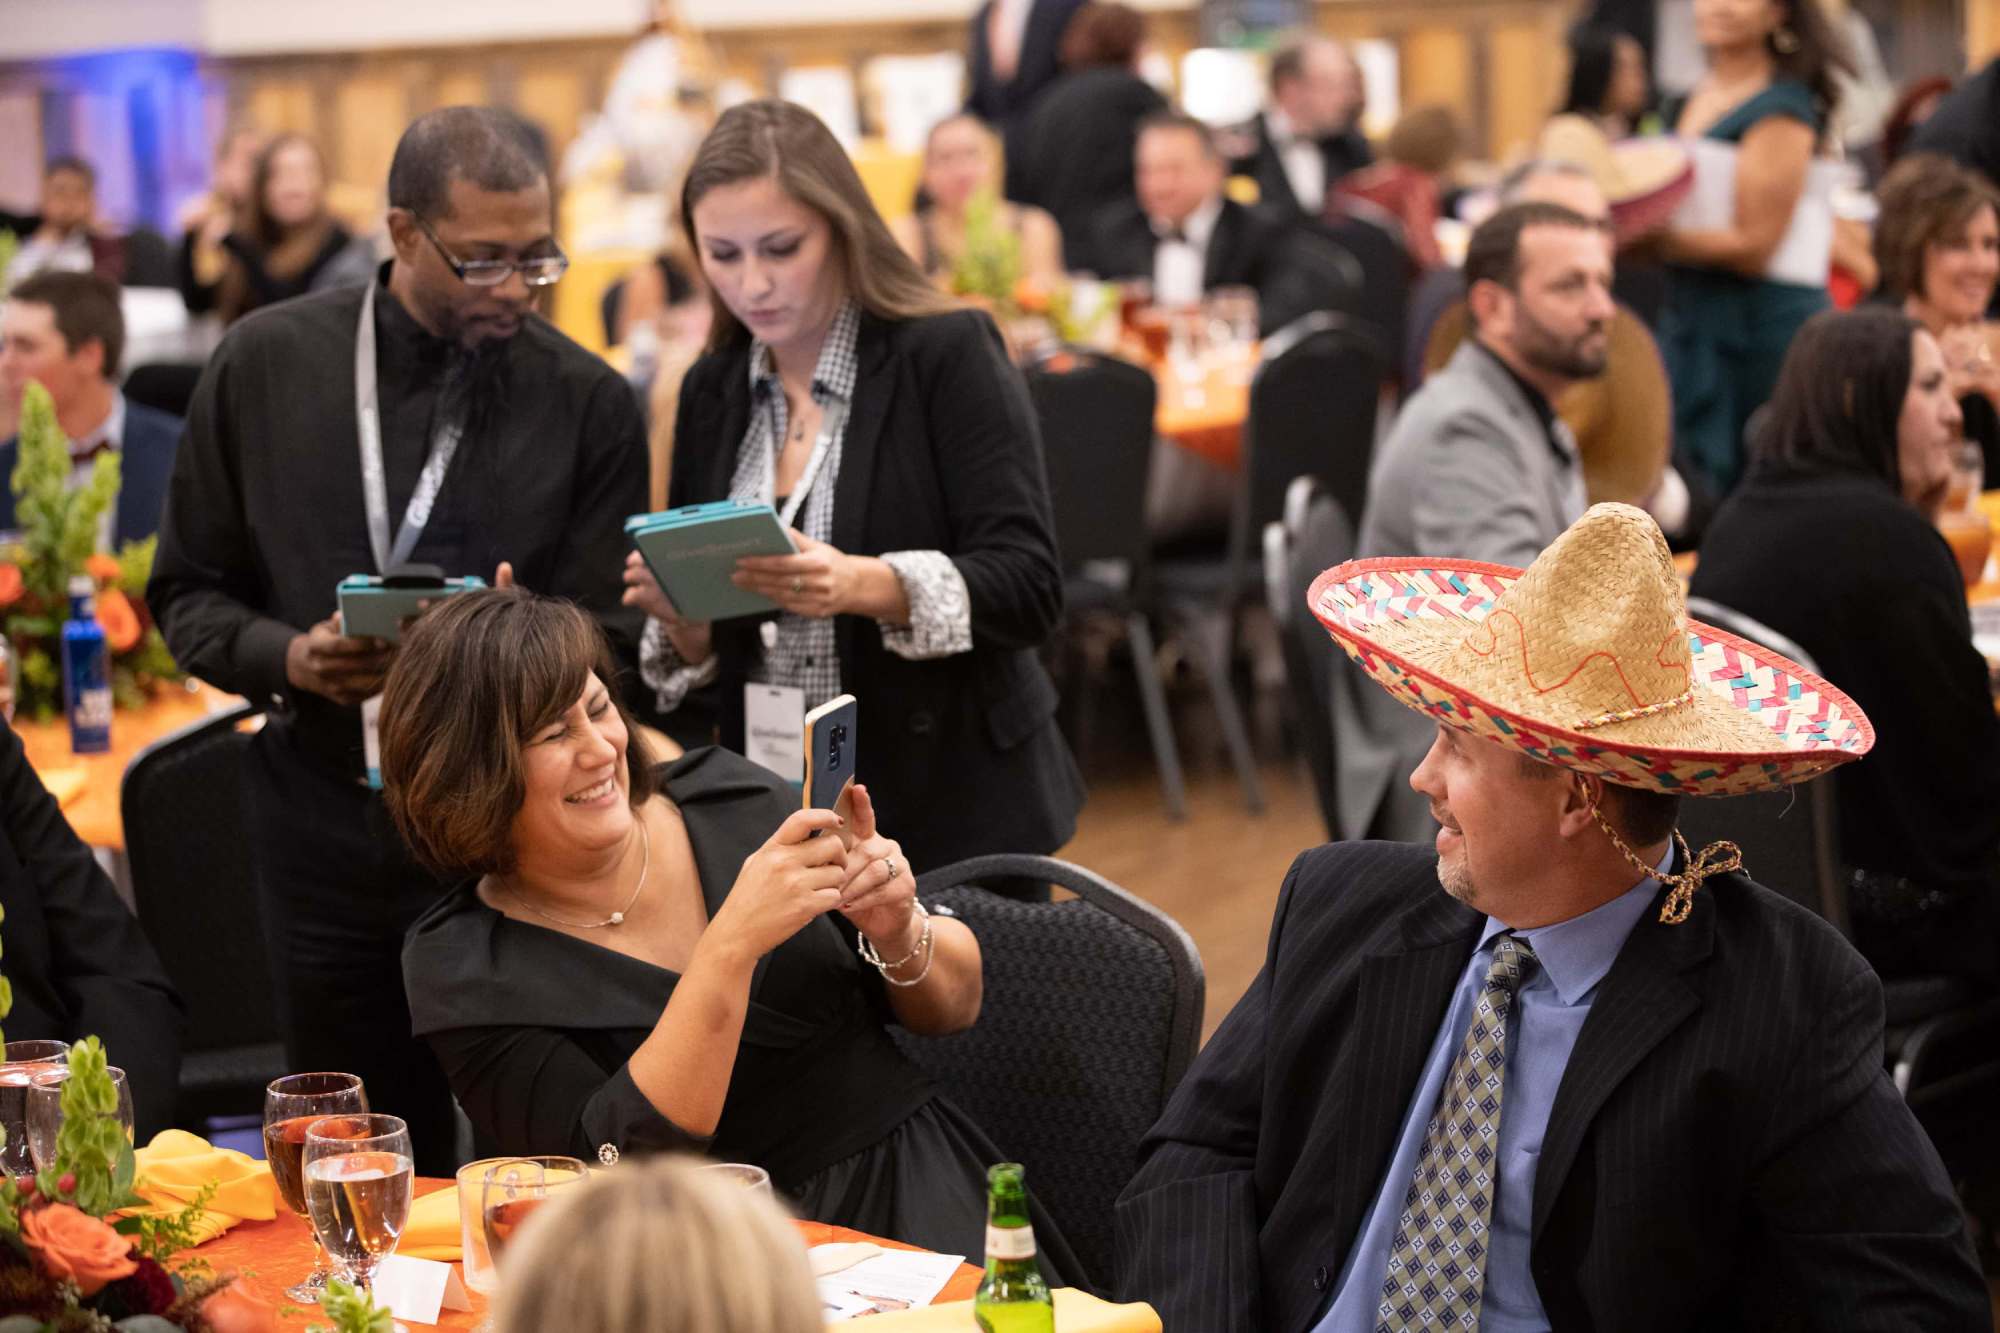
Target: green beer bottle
point(1013, 1298)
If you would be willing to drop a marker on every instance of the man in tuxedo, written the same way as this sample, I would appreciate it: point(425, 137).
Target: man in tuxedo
point(64, 331)
point(1306, 138)
point(1185, 236)
point(1556, 1072)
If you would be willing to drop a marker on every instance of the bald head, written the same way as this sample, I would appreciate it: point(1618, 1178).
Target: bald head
point(1314, 82)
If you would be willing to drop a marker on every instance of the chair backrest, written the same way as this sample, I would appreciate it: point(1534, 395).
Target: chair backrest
point(1092, 1013)
point(1314, 536)
point(1096, 415)
point(167, 386)
point(191, 880)
point(1312, 413)
point(1385, 269)
point(1790, 838)
point(609, 307)
point(1327, 277)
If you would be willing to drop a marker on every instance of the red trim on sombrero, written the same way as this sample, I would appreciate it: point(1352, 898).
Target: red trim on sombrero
point(1528, 672)
point(1533, 729)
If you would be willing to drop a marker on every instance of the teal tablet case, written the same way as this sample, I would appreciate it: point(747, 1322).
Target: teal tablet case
point(372, 611)
point(693, 550)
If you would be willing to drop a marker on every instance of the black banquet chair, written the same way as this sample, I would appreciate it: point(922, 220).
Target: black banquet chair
point(1092, 1013)
point(1313, 536)
point(1096, 415)
point(196, 901)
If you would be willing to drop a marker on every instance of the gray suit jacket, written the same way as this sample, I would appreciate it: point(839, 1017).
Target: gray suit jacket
point(1467, 473)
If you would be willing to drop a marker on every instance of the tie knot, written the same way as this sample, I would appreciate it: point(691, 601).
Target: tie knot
point(1512, 957)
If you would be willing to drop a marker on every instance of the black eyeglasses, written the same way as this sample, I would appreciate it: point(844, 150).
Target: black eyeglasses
point(537, 272)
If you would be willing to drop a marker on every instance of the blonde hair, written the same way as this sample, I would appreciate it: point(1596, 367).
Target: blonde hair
point(788, 144)
point(658, 1247)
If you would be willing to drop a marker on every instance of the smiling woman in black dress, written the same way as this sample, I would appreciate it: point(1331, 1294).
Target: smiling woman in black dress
point(640, 960)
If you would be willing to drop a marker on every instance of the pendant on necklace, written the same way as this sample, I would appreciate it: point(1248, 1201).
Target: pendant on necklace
point(617, 919)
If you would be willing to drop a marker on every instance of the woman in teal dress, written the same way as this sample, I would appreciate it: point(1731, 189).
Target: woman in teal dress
point(1769, 90)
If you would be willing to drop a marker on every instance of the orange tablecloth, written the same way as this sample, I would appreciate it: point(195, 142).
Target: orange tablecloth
point(1205, 419)
point(270, 1256)
point(95, 813)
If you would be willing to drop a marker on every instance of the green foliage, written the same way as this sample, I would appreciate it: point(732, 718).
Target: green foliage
point(91, 1145)
point(990, 264)
point(58, 525)
point(161, 1236)
point(10, 244)
point(352, 1310)
point(1074, 319)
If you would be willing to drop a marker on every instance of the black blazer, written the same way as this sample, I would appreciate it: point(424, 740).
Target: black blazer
point(76, 958)
point(996, 100)
point(1725, 1151)
point(145, 465)
point(942, 453)
point(1075, 152)
point(1249, 247)
point(1342, 153)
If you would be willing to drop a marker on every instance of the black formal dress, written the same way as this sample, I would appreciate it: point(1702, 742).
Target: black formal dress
point(941, 453)
point(1724, 1150)
point(1004, 103)
point(1075, 152)
point(265, 516)
point(1339, 153)
point(534, 1028)
point(1845, 567)
point(1249, 247)
point(75, 956)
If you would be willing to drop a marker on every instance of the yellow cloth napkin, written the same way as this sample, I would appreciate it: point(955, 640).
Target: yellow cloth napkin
point(65, 784)
point(173, 1168)
point(432, 1231)
point(1076, 1312)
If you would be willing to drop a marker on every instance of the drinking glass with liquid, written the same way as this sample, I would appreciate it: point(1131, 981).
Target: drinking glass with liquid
point(515, 1188)
point(360, 1178)
point(24, 1059)
point(45, 1110)
point(291, 1104)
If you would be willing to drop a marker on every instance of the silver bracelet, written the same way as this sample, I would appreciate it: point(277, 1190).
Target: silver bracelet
point(866, 948)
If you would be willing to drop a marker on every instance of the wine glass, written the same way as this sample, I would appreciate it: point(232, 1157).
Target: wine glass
point(517, 1187)
point(291, 1104)
point(751, 1177)
point(24, 1059)
point(45, 1110)
point(359, 1181)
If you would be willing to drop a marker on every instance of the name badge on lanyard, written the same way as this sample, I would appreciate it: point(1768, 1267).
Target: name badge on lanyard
point(389, 554)
point(774, 716)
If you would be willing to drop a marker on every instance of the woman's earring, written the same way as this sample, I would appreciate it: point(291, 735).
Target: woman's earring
point(1785, 42)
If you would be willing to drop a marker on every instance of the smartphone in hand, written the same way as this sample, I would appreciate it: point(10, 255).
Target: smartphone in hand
point(831, 733)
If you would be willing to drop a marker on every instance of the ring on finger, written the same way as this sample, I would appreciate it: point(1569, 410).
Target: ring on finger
point(894, 869)
point(798, 586)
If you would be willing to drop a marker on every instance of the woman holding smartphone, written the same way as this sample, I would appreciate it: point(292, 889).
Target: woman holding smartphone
point(887, 427)
point(637, 960)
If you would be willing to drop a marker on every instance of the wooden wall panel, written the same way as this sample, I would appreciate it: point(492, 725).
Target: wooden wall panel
point(370, 111)
point(1437, 67)
point(1523, 85)
point(553, 95)
point(282, 103)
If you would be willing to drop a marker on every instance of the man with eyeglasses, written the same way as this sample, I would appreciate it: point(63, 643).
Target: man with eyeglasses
point(429, 418)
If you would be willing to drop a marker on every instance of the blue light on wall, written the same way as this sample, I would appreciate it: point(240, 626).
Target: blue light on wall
point(149, 88)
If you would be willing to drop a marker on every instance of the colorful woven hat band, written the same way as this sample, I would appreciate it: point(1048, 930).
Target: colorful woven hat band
point(1587, 661)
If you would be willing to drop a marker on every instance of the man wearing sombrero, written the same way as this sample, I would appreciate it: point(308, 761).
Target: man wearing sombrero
point(1560, 1071)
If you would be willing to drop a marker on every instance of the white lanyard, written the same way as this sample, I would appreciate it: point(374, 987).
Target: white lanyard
point(832, 417)
point(374, 485)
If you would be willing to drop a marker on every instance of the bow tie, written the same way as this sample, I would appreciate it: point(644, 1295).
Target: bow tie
point(1174, 234)
point(81, 454)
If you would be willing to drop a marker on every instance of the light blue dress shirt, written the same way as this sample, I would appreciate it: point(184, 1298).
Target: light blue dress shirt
point(1571, 958)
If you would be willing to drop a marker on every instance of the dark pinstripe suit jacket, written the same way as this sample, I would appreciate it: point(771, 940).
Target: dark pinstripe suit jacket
point(1724, 1150)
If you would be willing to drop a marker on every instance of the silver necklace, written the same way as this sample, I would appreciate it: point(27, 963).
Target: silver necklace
point(617, 918)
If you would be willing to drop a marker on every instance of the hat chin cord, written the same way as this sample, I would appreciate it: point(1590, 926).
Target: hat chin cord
point(1718, 858)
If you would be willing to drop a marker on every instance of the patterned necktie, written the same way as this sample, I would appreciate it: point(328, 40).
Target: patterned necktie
point(1437, 1261)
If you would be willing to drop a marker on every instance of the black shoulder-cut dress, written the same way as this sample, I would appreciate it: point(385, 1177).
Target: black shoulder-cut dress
point(534, 1028)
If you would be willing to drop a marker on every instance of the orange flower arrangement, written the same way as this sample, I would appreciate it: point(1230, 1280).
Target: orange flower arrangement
point(74, 1245)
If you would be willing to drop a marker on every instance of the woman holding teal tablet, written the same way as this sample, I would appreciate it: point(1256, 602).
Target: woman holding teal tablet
point(886, 425)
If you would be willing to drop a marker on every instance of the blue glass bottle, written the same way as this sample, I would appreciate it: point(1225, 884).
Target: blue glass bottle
point(86, 671)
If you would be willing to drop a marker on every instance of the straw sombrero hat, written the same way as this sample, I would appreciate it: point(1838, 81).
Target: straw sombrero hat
point(1587, 660)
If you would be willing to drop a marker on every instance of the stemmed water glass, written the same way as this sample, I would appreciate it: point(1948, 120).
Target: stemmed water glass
point(360, 1178)
point(45, 1110)
point(24, 1059)
point(291, 1104)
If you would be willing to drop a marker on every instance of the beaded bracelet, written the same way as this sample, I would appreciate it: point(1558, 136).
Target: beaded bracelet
point(925, 945)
